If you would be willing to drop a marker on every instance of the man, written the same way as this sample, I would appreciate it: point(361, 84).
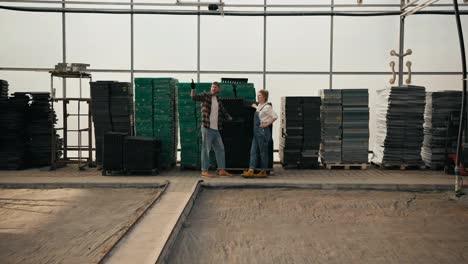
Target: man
point(213, 116)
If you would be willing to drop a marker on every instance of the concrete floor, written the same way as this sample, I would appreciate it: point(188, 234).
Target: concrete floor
point(166, 213)
point(187, 178)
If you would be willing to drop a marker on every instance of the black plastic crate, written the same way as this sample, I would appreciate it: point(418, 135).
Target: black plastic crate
point(113, 151)
point(234, 80)
point(141, 154)
point(121, 89)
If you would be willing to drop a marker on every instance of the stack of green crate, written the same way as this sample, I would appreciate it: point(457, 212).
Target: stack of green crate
point(156, 115)
point(144, 107)
point(246, 91)
point(203, 87)
point(189, 127)
point(227, 91)
point(165, 118)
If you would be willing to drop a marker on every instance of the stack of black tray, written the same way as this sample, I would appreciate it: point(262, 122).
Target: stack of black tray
point(3, 91)
point(399, 133)
point(441, 123)
point(41, 127)
point(27, 129)
point(14, 138)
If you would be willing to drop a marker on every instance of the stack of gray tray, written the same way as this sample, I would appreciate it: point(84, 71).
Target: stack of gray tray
point(355, 145)
point(331, 124)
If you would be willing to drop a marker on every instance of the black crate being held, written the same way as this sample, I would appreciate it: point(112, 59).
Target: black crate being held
point(237, 134)
point(112, 110)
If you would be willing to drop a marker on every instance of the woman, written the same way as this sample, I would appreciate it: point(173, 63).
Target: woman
point(263, 118)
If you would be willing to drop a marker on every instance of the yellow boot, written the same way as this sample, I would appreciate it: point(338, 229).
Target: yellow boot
point(261, 174)
point(224, 173)
point(206, 174)
point(248, 173)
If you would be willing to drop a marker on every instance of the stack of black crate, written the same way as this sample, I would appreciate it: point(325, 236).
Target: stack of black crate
point(141, 154)
point(113, 151)
point(130, 154)
point(3, 91)
point(112, 110)
point(311, 132)
point(121, 107)
point(100, 109)
point(292, 130)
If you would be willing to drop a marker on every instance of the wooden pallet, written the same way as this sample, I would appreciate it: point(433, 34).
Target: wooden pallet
point(346, 166)
point(436, 167)
point(142, 172)
point(241, 170)
point(129, 172)
point(290, 166)
point(112, 172)
point(299, 166)
point(190, 167)
point(390, 166)
point(166, 167)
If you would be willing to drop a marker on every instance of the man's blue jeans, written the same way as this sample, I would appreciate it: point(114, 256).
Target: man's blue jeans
point(211, 139)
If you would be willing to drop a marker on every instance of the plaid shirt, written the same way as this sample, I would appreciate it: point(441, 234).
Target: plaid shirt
point(205, 99)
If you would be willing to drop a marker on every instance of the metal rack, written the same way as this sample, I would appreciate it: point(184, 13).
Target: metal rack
point(85, 152)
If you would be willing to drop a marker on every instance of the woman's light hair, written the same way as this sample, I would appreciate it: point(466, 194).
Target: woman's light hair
point(264, 93)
